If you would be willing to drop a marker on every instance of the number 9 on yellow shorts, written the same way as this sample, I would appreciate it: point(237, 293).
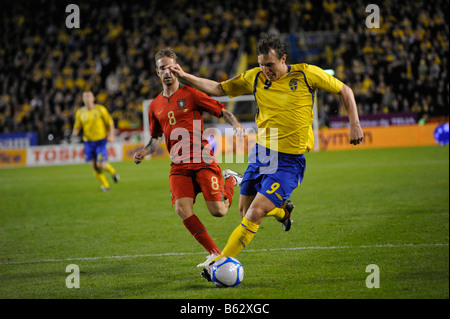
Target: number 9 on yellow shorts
point(277, 186)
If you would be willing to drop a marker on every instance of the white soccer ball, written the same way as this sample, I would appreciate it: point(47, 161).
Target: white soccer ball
point(227, 272)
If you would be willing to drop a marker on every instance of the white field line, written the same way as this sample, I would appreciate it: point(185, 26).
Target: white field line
point(203, 253)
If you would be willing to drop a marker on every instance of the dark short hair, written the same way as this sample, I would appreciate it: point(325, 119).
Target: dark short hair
point(270, 42)
point(166, 53)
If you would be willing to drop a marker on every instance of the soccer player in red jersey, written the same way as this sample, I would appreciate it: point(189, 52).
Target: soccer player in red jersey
point(177, 113)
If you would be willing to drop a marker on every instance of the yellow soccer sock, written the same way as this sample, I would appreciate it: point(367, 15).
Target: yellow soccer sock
point(110, 169)
point(101, 178)
point(240, 238)
point(277, 212)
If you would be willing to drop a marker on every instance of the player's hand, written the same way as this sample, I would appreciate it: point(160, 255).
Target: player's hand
point(356, 134)
point(139, 156)
point(177, 70)
point(74, 139)
point(239, 131)
point(110, 138)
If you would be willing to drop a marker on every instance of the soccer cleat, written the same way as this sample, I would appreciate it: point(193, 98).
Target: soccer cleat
point(116, 178)
point(208, 260)
point(286, 222)
point(237, 177)
point(104, 188)
point(206, 272)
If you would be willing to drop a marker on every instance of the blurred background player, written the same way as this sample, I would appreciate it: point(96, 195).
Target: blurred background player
point(177, 113)
point(98, 129)
point(285, 97)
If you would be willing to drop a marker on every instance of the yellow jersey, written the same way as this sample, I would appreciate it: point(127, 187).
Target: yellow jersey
point(285, 104)
point(94, 122)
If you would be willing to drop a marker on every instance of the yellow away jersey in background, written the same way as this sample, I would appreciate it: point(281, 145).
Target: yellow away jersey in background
point(285, 104)
point(95, 123)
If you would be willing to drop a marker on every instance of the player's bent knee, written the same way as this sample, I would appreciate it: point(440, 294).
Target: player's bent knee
point(217, 209)
point(183, 207)
point(218, 212)
point(255, 214)
point(183, 213)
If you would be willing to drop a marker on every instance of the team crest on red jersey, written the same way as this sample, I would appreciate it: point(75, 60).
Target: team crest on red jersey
point(181, 103)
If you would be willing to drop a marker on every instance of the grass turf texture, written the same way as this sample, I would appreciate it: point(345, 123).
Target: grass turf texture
point(388, 207)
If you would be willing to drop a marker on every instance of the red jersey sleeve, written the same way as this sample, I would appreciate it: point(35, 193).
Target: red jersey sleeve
point(208, 104)
point(155, 126)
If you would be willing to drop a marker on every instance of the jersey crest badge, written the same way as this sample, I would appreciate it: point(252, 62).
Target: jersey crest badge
point(293, 85)
point(181, 103)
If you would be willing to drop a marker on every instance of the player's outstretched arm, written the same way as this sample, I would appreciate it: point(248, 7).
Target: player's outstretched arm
point(229, 117)
point(147, 150)
point(75, 132)
point(110, 137)
point(356, 133)
point(207, 86)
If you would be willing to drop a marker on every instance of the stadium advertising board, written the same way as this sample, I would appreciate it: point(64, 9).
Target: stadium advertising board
point(232, 148)
point(66, 154)
point(13, 157)
point(130, 149)
point(372, 120)
point(378, 137)
point(18, 140)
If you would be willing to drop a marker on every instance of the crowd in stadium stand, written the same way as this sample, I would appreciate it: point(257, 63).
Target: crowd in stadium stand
point(401, 66)
point(44, 66)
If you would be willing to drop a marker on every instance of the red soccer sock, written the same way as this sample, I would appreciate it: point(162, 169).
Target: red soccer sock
point(198, 230)
point(229, 188)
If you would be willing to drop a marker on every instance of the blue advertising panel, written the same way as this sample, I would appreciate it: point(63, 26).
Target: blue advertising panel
point(18, 140)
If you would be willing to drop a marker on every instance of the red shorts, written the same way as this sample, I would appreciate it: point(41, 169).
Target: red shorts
point(188, 181)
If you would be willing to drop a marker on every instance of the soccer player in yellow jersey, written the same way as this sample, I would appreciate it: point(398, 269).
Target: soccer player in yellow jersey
point(98, 129)
point(285, 96)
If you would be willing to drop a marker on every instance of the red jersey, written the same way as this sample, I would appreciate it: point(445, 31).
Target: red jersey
point(180, 119)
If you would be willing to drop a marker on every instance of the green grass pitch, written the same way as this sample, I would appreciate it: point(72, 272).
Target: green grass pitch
point(388, 207)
